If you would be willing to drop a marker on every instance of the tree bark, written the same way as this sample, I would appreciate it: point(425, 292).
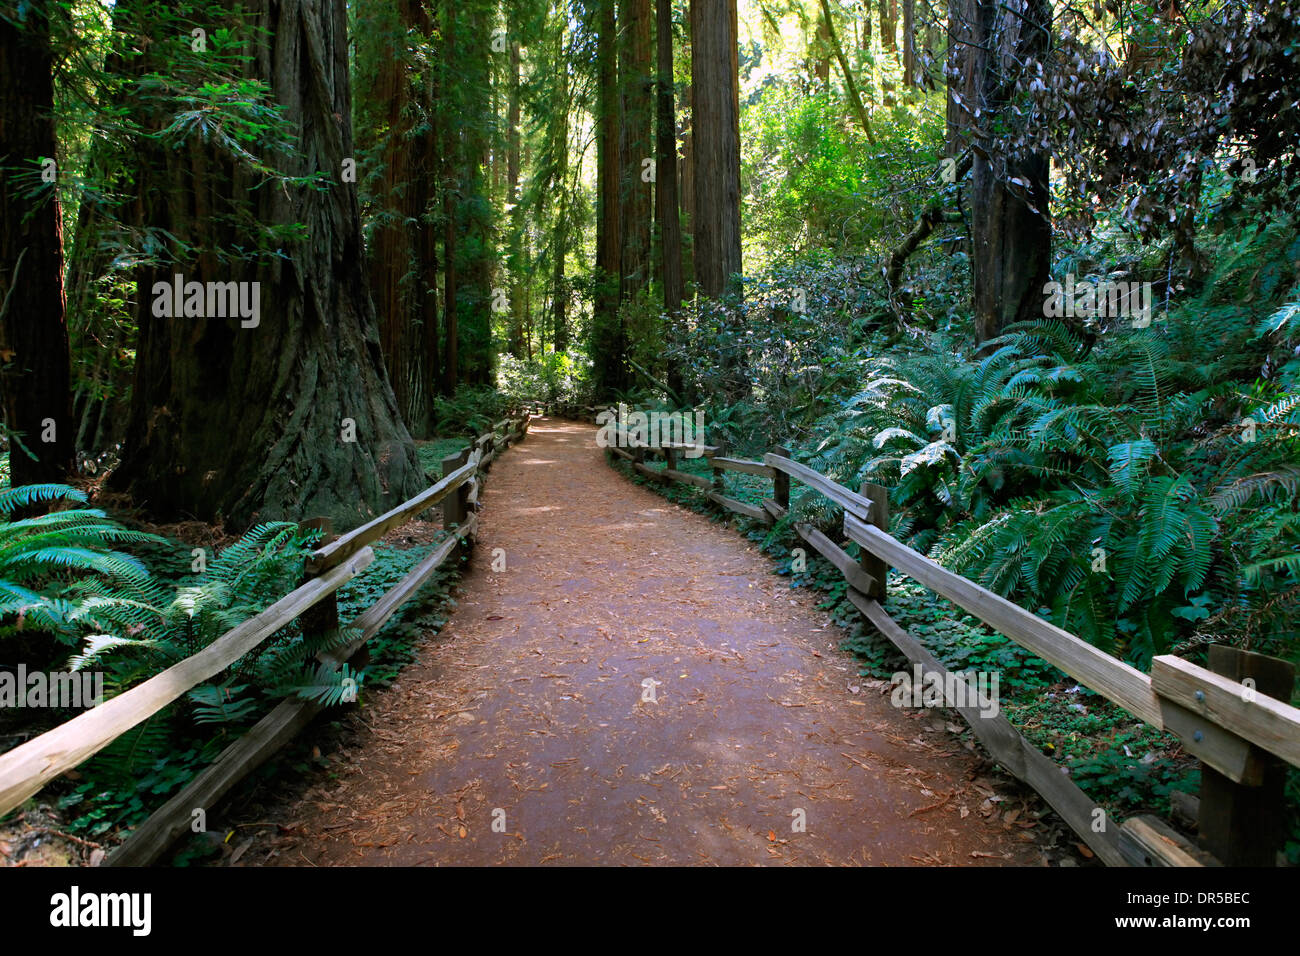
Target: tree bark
point(1011, 221)
point(666, 203)
point(636, 145)
point(559, 287)
point(889, 41)
point(515, 341)
point(909, 44)
point(965, 61)
point(34, 355)
point(249, 423)
point(393, 104)
point(608, 343)
point(716, 120)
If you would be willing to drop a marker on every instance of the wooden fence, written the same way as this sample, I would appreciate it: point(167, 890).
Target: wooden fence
point(1234, 716)
point(27, 768)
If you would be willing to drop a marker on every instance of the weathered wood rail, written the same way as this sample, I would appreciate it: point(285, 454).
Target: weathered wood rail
point(27, 768)
point(1235, 716)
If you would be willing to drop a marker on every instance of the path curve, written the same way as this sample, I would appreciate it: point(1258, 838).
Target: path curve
point(527, 710)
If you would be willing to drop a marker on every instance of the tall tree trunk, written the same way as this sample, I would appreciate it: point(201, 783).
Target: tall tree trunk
point(294, 415)
point(608, 343)
point(821, 53)
point(1011, 224)
point(34, 355)
point(670, 226)
point(393, 104)
point(636, 146)
point(480, 229)
point(965, 60)
point(515, 341)
point(909, 44)
point(889, 42)
point(688, 187)
point(559, 287)
point(715, 115)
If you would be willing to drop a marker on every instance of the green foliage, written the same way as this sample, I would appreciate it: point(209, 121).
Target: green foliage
point(550, 377)
point(812, 183)
point(60, 572)
point(470, 411)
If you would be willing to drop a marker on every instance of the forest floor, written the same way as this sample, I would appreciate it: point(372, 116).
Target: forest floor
point(524, 732)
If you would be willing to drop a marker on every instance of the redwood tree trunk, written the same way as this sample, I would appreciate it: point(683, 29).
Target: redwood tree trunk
point(636, 145)
point(965, 65)
point(889, 40)
point(608, 341)
point(1011, 224)
point(666, 204)
point(248, 423)
point(909, 43)
point(716, 129)
point(401, 258)
point(516, 339)
point(34, 358)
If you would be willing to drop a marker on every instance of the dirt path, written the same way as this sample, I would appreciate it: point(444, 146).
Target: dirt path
point(528, 708)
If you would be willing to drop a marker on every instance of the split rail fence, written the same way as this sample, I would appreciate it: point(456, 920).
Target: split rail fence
point(1234, 716)
point(26, 769)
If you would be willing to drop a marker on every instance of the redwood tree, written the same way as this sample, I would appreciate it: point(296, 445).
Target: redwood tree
point(666, 201)
point(636, 145)
point(715, 119)
point(608, 339)
point(253, 423)
point(1011, 221)
point(394, 107)
point(34, 359)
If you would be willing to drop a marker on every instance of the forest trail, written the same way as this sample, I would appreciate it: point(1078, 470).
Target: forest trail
point(528, 708)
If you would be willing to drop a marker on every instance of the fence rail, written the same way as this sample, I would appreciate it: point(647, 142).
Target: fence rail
point(27, 768)
point(1240, 730)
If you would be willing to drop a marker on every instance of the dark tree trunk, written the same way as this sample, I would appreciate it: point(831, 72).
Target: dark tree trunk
point(480, 237)
point(666, 204)
point(889, 41)
point(636, 145)
point(964, 68)
point(559, 287)
point(609, 342)
point(248, 423)
point(515, 341)
point(394, 103)
point(909, 43)
point(716, 121)
point(688, 189)
point(821, 53)
point(34, 357)
point(1011, 224)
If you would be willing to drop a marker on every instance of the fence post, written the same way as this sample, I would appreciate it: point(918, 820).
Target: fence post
point(1244, 825)
point(323, 616)
point(781, 481)
point(873, 565)
point(670, 458)
point(455, 505)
